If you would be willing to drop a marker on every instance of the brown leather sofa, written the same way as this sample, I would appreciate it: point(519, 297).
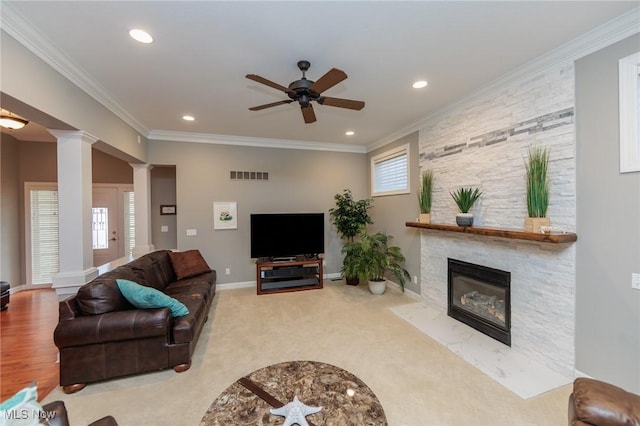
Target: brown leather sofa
point(101, 335)
point(598, 403)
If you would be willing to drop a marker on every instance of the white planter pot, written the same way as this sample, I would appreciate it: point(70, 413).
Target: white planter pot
point(425, 218)
point(377, 287)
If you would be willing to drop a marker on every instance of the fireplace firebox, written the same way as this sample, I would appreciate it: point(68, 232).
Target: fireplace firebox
point(480, 297)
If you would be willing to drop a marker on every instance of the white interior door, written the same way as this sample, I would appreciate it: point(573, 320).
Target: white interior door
point(106, 217)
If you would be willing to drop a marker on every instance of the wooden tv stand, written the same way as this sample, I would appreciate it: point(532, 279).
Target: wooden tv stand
point(288, 275)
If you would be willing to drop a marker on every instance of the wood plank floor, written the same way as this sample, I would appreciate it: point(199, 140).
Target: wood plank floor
point(26, 343)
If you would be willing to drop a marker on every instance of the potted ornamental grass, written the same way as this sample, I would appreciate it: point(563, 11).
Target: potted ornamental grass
point(349, 216)
point(465, 198)
point(425, 196)
point(537, 189)
point(371, 258)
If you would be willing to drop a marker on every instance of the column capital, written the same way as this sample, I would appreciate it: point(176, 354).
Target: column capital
point(141, 166)
point(73, 134)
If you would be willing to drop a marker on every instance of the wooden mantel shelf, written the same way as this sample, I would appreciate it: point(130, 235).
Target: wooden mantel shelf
point(556, 238)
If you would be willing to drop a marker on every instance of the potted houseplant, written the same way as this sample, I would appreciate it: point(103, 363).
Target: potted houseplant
point(349, 216)
point(537, 189)
point(371, 258)
point(465, 198)
point(424, 196)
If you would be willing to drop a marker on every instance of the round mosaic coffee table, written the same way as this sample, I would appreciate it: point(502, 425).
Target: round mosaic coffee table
point(344, 398)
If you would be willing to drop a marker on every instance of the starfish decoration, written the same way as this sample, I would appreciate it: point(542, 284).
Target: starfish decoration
point(295, 412)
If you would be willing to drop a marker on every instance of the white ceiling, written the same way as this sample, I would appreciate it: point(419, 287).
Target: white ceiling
point(203, 50)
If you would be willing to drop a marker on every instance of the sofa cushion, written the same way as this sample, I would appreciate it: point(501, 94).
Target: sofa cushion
point(156, 268)
point(144, 297)
point(188, 263)
point(101, 295)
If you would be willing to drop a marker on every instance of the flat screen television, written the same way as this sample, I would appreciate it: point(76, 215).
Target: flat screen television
point(284, 235)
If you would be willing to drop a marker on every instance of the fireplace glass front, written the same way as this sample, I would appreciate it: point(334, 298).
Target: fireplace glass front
point(480, 297)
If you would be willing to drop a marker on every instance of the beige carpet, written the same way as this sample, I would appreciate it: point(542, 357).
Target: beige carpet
point(418, 381)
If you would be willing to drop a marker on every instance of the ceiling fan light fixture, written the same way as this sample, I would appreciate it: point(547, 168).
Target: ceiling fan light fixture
point(141, 36)
point(13, 123)
point(420, 84)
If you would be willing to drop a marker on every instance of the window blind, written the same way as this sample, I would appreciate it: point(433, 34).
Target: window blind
point(129, 222)
point(45, 258)
point(390, 173)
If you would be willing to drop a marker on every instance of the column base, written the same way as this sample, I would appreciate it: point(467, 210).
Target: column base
point(67, 283)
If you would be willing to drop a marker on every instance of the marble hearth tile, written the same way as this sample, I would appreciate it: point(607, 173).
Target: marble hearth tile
point(515, 371)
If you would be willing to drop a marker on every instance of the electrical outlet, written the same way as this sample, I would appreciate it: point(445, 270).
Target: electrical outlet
point(191, 232)
point(635, 281)
point(415, 279)
point(227, 271)
point(164, 228)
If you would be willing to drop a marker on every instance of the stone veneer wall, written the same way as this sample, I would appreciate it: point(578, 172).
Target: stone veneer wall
point(484, 142)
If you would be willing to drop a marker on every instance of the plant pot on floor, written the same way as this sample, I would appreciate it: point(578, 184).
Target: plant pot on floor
point(377, 287)
point(533, 224)
point(352, 280)
point(464, 219)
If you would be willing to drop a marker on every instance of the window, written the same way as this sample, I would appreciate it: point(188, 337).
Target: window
point(43, 229)
point(629, 82)
point(390, 172)
point(100, 227)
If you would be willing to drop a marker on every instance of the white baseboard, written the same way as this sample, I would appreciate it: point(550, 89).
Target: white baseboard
point(408, 292)
point(233, 286)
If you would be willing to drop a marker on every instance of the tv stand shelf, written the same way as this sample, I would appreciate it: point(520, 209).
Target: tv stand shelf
point(290, 275)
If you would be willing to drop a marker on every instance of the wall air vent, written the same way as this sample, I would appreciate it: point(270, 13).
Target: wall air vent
point(242, 175)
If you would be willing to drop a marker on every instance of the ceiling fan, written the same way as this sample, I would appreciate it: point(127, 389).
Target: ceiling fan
point(306, 91)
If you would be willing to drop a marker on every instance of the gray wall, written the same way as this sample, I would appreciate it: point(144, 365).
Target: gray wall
point(163, 192)
point(299, 181)
point(11, 244)
point(608, 227)
point(390, 212)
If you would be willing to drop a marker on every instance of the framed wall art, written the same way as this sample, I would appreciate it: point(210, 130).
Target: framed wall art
point(225, 215)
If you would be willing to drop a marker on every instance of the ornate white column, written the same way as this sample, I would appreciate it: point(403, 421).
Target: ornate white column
point(75, 183)
point(142, 201)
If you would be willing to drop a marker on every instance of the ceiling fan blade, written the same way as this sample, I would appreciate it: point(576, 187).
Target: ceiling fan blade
point(330, 79)
point(308, 114)
point(341, 103)
point(272, 104)
point(269, 83)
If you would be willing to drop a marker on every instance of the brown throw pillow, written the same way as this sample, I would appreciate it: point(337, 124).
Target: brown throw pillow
point(188, 263)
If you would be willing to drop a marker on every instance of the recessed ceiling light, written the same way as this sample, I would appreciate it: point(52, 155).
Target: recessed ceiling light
point(349, 133)
point(188, 118)
point(419, 84)
point(141, 36)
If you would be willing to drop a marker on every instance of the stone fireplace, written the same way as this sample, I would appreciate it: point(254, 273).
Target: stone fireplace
point(481, 298)
point(483, 142)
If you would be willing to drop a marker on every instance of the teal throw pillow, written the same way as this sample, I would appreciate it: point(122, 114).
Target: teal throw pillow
point(22, 409)
point(147, 297)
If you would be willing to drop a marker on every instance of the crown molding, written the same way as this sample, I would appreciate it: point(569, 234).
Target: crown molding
point(14, 24)
point(598, 38)
point(164, 135)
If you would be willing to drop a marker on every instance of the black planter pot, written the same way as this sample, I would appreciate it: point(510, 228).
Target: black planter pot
point(352, 280)
point(464, 219)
